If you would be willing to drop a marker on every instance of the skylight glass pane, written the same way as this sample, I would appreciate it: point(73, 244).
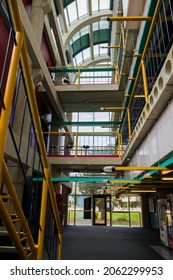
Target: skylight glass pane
point(72, 12)
point(79, 58)
point(75, 61)
point(66, 16)
point(86, 54)
point(82, 7)
point(104, 4)
point(95, 26)
point(76, 36)
point(104, 24)
point(84, 30)
point(53, 36)
point(103, 51)
point(59, 23)
point(96, 50)
point(95, 5)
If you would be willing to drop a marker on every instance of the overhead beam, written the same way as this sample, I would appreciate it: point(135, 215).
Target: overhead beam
point(127, 18)
point(86, 123)
point(82, 69)
point(130, 168)
point(105, 180)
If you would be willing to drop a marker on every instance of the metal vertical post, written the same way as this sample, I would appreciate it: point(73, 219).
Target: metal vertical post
point(144, 76)
point(42, 218)
point(129, 124)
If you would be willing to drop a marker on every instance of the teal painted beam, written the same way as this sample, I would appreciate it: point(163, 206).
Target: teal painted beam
point(87, 179)
point(166, 163)
point(75, 70)
point(86, 123)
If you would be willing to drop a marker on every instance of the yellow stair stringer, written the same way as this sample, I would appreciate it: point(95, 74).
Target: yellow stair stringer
point(14, 219)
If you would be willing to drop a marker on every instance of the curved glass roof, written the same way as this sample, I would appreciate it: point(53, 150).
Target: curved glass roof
point(86, 44)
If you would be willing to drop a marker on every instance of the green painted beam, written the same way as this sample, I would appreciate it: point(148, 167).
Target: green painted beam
point(75, 70)
point(86, 123)
point(89, 180)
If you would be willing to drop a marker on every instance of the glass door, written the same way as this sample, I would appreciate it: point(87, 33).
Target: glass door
point(99, 210)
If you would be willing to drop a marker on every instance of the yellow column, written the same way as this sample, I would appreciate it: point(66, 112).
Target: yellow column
point(78, 75)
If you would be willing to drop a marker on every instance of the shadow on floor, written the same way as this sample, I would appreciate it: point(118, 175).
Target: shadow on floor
point(109, 243)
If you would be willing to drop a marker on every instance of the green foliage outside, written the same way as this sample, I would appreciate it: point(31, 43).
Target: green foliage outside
point(118, 218)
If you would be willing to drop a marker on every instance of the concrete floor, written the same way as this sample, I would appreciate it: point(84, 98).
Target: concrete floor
point(111, 243)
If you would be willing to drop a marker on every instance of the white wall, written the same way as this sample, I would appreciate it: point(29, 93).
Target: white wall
point(157, 144)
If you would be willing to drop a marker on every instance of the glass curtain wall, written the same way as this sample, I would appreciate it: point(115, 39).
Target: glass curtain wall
point(94, 143)
point(123, 211)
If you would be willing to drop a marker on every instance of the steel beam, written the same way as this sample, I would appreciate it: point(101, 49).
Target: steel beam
point(129, 18)
point(85, 123)
point(82, 69)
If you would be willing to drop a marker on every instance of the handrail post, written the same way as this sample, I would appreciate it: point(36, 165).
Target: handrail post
point(144, 76)
point(76, 144)
point(78, 77)
point(129, 125)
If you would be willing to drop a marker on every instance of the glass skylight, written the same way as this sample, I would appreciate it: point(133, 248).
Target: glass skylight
point(95, 5)
point(104, 4)
point(75, 11)
point(82, 8)
point(71, 13)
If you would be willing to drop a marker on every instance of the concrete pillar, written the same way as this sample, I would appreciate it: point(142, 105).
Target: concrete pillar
point(39, 9)
point(65, 193)
point(145, 210)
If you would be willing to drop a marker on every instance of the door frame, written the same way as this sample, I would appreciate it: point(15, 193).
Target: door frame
point(94, 210)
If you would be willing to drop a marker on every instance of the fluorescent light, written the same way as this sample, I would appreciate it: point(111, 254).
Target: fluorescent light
point(167, 178)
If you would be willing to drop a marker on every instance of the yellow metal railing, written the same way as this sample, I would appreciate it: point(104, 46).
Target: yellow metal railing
point(20, 52)
point(78, 78)
point(83, 150)
point(78, 149)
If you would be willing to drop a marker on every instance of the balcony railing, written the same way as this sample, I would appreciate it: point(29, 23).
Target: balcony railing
point(93, 144)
